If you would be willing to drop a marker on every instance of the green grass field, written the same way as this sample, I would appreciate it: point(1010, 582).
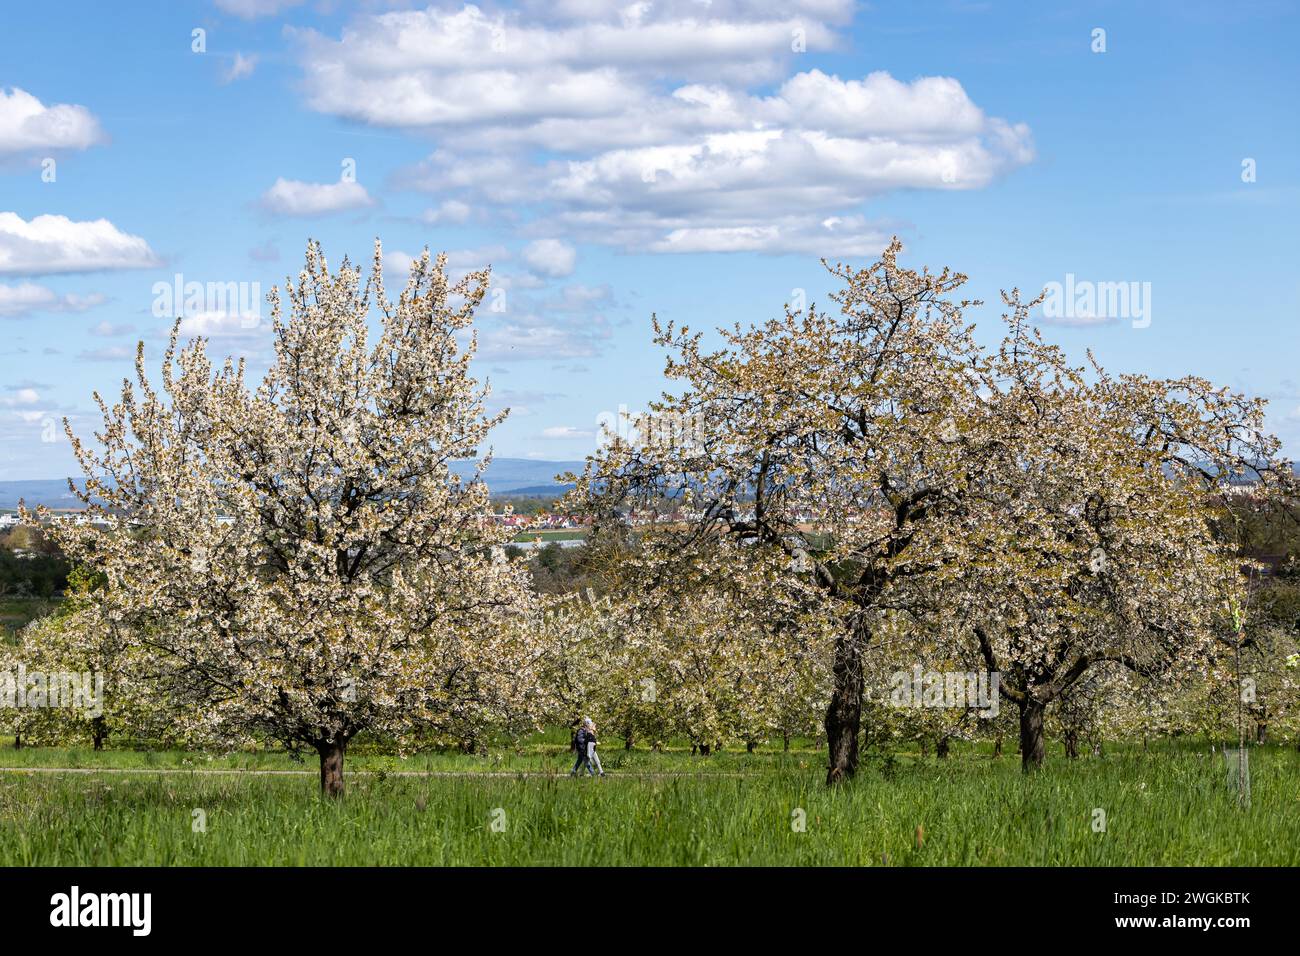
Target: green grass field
point(17, 613)
point(1168, 807)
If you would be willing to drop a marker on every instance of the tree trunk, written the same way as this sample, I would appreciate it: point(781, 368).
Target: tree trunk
point(844, 715)
point(704, 750)
point(1031, 734)
point(925, 746)
point(785, 743)
point(18, 741)
point(941, 747)
point(1072, 745)
point(331, 768)
point(1261, 732)
point(750, 745)
point(627, 740)
point(98, 732)
point(997, 746)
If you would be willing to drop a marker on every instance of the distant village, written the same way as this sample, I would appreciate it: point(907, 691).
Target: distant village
point(537, 526)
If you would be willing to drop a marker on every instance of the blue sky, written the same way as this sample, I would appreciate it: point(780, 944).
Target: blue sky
point(613, 160)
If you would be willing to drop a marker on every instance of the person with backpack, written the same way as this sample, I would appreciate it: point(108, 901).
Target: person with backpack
point(593, 758)
point(579, 744)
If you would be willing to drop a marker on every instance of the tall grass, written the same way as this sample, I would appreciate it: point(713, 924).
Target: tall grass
point(1169, 807)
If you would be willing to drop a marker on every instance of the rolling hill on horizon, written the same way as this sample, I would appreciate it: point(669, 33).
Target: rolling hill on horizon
point(519, 476)
point(506, 477)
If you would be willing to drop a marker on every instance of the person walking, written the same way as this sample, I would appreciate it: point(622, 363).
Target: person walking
point(580, 746)
point(593, 758)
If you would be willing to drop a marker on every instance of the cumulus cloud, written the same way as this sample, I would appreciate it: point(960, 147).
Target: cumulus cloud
point(252, 9)
point(245, 336)
point(27, 124)
point(479, 257)
point(52, 244)
point(793, 179)
point(577, 297)
point(533, 337)
point(240, 67)
point(451, 211)
point(844, 236)
point(425, 67)
point(27, 298)
point(25, 404)
point(218, 324)
point(550, 257)
point(397, 263)
point(529, 317)
point(659, 127)
point(500, 178)
point(20, 397)
point(290, 197)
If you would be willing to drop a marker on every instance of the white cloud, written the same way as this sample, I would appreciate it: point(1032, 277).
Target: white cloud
point(221, 324)
point(26, 124)
point(577, 297)
point(536, 318)
point(566, 432)
point(877, 105)
point(245, 336)
point(27, 298)
point(242, 66)
point(21, 396)
point(50, 244)
point(425, 67)
point(397, 263)
point(791, 181)
point(290, 197)
point(550, 257)
point(525, 337)
point(252, 9)
point(480, 257)
point(849, 236)
point(501, 178)
point(452, 211)
point(661, 127)
point(107, 330)
point(109, 353)
point(520, 403)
